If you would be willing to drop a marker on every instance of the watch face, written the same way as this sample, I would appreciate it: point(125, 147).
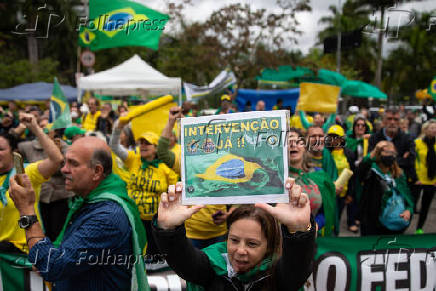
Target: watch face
point(24, 222)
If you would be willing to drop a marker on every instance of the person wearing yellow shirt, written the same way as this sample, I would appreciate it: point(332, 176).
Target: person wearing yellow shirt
point(344, 159)
point(148, 178)
point(295, 121)
point(12, 237)
point(90, 119)
point(425, 166)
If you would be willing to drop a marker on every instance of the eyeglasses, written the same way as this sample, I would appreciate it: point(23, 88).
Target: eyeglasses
point(360, 124)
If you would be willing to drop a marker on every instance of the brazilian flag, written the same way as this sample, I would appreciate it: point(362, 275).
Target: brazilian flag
point(118, 23)
point(59, 109)
point(432, 89)
point(216, 173)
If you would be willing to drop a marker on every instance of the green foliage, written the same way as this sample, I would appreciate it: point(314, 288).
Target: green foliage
point(411, 66)
point(22, 71)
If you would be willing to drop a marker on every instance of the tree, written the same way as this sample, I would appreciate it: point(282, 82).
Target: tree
point(239, 30)
point(353, 17)
point(30, 56)
point(411, 66)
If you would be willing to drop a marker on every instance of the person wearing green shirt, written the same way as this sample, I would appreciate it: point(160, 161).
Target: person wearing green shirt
point(381, 177)
point(319, 155)
point(315, 182)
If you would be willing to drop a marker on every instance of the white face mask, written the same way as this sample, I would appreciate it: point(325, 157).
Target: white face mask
point(74, 114)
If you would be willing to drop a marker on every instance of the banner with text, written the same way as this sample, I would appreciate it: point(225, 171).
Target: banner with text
point(404, 262)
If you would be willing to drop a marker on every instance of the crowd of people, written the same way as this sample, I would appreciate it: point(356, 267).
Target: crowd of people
point(95, 186)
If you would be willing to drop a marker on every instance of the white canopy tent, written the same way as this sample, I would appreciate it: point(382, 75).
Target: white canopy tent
point(132, 77)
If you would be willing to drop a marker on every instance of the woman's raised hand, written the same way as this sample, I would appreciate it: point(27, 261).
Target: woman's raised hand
point(295, 214)
point(171, 212)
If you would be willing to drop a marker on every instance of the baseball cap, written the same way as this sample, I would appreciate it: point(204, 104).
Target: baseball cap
point(226, 97)
point(336, 129)
point(72, 131)
point(151, 137)
point(353, 109)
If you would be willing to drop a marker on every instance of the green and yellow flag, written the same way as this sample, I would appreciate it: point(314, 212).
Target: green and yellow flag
point(119, 23)
point(59, 110)
point(432, 88)
point(226, 171)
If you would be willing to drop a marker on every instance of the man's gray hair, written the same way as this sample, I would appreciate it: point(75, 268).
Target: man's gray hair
point(103, 158)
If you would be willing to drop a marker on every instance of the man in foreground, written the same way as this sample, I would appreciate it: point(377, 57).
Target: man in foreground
point(100, 246)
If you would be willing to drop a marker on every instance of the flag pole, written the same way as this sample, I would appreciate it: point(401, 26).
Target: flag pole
point(79, 52)
point(180, 93)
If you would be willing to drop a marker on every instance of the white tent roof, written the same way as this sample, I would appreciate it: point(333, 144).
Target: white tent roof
point(132, 77)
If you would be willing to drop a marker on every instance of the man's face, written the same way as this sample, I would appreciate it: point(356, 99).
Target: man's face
point(392, 122)
point(260, 106)
point(107, 108)
point(77, 171)
point(318, 120)
point(365, 113)
point(43, 123)
point(92, 104)
point(7, 121)
point(225, 105)
point(315, 141)
point(6, 160)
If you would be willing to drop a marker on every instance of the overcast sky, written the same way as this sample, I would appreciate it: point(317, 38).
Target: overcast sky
point(309, 25)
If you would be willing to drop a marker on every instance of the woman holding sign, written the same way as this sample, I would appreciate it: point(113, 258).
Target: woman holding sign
point(259, 254)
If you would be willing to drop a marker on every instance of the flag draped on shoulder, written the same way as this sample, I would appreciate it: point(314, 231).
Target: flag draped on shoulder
point(59, 109)
point(119, 23)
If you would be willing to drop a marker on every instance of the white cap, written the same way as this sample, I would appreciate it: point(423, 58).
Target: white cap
point(353, 109)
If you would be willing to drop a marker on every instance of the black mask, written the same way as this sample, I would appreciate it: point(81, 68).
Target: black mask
point(388, 161)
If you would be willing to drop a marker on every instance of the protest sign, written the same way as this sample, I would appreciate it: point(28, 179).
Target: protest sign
point(406, 262)
point(234, 158)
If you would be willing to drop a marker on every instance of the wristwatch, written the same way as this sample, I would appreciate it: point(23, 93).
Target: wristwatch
point(27, 221)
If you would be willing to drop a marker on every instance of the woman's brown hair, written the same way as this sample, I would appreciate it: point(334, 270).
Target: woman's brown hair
point(395, 168)
point(269, 226)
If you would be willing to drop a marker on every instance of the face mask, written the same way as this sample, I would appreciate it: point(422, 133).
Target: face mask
point(74, 114)
point(387, 160)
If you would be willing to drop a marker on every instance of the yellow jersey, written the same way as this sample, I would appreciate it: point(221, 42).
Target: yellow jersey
point(90, 121)
point(9, 215)
point(145, 186)
point(421, 162)
point(201, 225)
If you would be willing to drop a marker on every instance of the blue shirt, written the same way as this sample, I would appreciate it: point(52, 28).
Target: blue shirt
point(95, 254)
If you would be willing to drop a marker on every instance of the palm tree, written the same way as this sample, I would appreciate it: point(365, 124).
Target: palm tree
point(414, 57)
point(354, 16)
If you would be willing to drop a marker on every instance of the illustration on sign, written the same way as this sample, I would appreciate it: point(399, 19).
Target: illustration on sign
point(234, 158)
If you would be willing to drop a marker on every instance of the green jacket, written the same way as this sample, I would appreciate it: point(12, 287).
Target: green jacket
point(328, 194)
